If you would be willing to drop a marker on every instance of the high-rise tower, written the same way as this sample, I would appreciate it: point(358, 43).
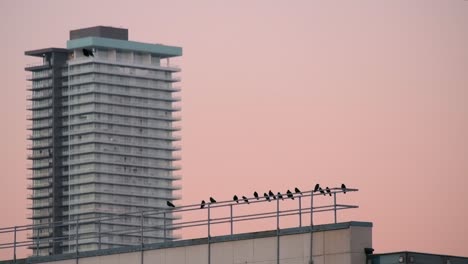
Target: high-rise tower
point(102, 138)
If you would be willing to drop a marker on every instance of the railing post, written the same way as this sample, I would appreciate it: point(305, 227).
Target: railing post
point(300, 211)
point(334, 204)
point(164, 226)
point(209, 234)
point(232, 228)
point(141, 235)
point(99, 233)
point(76, 236)
point(277, 233)
point(14, 245)
point(37, 242)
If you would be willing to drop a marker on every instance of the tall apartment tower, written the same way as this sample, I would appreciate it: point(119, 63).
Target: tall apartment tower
point(102, 140)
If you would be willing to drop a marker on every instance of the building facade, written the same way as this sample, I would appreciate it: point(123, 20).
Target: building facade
point(102, 140)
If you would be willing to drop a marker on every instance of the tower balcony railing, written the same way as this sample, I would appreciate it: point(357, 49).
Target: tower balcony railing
point(122, 133)
point(38, 105)
point(40, 125)
point(91, 69)
point(39, 115)
point(39, 95)
point(134, 143)
point(40, 135)
point(42, 184)
point(162, 66)
point(223, 218)
point(151, 105)
point(104, 80)
point(37, 64)
point(39, 155)
point(119, 162)
point(118, 122)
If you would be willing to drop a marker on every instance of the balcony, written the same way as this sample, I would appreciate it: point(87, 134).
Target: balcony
point(40, 95)
point(104, 80)
point(40, 135)
point(150, 105)
point(40, 195)
point(113, 162)
point(39, 175)
point(163, 67)
point(43, 184)
point(35, 156)
point(37, 65)
point(39, 115)
point(122, 133)
point(119, 122)
point(36, 105)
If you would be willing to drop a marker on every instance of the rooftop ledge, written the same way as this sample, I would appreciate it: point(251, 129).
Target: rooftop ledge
point(202, 241)
point(162, 51)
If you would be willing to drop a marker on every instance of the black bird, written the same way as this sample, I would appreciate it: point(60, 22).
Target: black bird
point(297, 190)
point(280, 196)
point(290, 195)
point(170, 204)
point(88, 53)
point(328, 190)
point(236, 199)
point(272, 194)
point(321, 191)
point(202, 204)
point(256, 195)
point(266, 196)
point(343, 187)
point(245, 199)
point(317, 186)
point(212, 200)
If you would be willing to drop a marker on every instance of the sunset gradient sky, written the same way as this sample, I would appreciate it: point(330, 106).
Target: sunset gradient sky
point(283, 93)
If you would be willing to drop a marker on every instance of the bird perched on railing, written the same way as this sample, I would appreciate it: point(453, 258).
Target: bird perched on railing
point(212, 200)
point(202, 204)
point(245, 199)
point(322, 191)
point(328, 191)
point(235, 199)
point(272, 194)
point(266, 196)
point(343, 187)
point(170, 204)
point(256, 195)
point(297, 190)
point(289, 194)
point(280, 196)
point(317, 186)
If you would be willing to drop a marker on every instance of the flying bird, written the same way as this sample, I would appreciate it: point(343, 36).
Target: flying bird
point(256, 195)
point(236, 199)
point(343, 187)
point(88, 53)
point(321, 191)
point(266, 196)
point(202, 204)
point(272, 194)
point(328, 191)
point(290, 195)
point(212, 200)
point(170, 204)
point(297, 190)
point(317, 186)
point(280, 196)
point(245, 199)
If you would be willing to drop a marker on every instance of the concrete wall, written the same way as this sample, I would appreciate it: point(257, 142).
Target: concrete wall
point(342, 243)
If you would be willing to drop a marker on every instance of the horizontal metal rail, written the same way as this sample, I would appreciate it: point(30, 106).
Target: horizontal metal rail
point(171, 218)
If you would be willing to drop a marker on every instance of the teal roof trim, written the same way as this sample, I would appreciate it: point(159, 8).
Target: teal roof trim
point(161, 50)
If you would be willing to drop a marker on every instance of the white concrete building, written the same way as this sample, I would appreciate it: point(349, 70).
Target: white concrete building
point(102, 138)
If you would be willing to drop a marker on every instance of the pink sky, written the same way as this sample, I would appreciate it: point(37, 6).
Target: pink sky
point(283, 93)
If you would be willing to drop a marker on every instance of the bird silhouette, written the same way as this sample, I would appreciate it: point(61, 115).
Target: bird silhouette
point(256, 195)
point(280, 196)
point(290, 195)
point(236, 199)
point(266, 196)
point(297, 190)
point(343, 187)
point(328, 191)
point(317, 186)
point(212, 200)
point(202, 204)
point(88, 53)
point(272, 194)
point(245, 199)
point(321, 191)
point(170, 204)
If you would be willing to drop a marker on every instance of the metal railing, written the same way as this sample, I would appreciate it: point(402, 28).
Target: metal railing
point(171, 219)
